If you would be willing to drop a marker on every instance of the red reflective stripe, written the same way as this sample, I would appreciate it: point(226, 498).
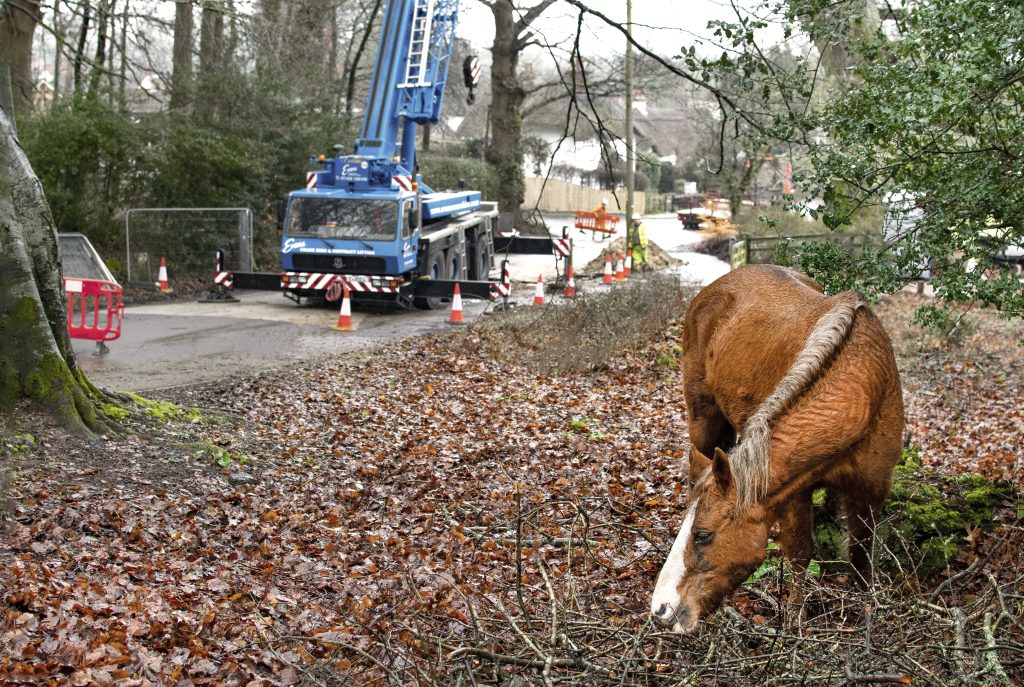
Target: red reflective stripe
point(318, 281)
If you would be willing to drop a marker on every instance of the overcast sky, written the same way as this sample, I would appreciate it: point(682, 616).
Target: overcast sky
point(663, 25)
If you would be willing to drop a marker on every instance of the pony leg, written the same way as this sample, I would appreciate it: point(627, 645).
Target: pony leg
point(864, 497)
point(708, 427)
point(796, 523)
point(863, 507)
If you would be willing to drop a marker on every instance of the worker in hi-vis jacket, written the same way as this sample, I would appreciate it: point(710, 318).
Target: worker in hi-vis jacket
point(637, 240)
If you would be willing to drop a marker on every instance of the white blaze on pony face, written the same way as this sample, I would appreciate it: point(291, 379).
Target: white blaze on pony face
point(666, 603)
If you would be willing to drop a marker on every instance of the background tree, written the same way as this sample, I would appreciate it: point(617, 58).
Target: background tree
point(512, 35)
point(18, 20)
point(181, 61)
point(931, 112)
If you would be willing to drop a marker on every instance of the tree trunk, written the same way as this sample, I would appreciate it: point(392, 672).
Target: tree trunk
point(99, 61)
point(211, 39)
point(83, 37)
point(505, 152)
point(58, 51)
point(350, 88)
point(123, 49)
point(181, 71)
point(332, 59)
point(17, 26)
point(425, 138)
point(36, 360)
point(211, 59)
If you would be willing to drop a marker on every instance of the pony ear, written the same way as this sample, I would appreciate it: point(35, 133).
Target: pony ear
point(720, 469)
point(698, 463)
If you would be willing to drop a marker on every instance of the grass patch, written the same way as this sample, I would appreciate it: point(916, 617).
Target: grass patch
point(218, 455)
point(586, 334)
point(164, 410)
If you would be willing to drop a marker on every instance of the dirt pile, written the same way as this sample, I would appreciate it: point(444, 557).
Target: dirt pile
point(657, 258)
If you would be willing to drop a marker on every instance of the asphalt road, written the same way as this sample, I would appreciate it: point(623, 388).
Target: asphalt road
point(165, 345)
point(172, 344)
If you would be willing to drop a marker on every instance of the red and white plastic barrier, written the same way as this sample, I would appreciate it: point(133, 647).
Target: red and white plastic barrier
point(95, 309)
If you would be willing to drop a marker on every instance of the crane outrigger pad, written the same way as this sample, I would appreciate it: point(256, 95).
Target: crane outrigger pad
point(523, 245)
point(444, 288)
point(258, 281)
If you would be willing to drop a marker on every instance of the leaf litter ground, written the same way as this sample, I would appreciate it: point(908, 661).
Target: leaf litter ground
point(426, 514)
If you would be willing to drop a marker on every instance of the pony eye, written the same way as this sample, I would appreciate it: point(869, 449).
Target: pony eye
point(703, 537)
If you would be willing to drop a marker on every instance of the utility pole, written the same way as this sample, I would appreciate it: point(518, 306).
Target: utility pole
point(630, 148)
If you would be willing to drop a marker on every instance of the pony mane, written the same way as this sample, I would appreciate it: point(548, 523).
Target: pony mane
point(751, 458)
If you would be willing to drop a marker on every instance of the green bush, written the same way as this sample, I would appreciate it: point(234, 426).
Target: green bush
point(96, 161)
point(84, 154)
point(443, 173)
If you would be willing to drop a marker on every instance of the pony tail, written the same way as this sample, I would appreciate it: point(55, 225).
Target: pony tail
point(751, 459)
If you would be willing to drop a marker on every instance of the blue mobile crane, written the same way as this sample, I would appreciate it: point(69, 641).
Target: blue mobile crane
point(367, 220)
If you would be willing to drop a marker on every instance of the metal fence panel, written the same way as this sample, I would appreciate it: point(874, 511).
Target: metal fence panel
point(188, 239)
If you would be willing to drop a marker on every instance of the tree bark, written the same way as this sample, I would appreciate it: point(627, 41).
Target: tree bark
point(99, 61)
point(58, 47)
point(17, 26)
point(211, 40)
point(37, 363)
point(83, 37)
point(123, 49)
point(505, 152)
point(184, 44)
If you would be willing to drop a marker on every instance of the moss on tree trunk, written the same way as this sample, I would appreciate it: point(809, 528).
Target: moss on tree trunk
point(37, 363)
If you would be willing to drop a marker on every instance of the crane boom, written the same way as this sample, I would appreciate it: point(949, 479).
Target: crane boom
point(409, 76)
point(407, 89)
point(367, 220)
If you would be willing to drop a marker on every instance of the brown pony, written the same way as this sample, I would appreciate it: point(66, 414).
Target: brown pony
point(808, 387)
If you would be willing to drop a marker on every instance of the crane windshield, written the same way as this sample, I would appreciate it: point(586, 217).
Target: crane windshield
point(337, 218)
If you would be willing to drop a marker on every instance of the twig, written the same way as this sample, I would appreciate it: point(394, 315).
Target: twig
point(852, 678)
point(519, 558)
point(991, 658)
point(975, 564)
point(546, 673)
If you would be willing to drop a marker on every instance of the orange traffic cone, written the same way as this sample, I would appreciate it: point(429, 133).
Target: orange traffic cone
point(161, 280)
point(345, 316)
point(607, 276)
point(570, 285)
point(456, 316)
point(628, 267)
point(620, 273)
point(538, 295)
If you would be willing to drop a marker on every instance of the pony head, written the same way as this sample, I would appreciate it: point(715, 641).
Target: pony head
point(717, 547)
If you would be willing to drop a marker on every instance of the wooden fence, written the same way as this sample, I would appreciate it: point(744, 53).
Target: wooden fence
point(556, 195)
point(762, 250)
